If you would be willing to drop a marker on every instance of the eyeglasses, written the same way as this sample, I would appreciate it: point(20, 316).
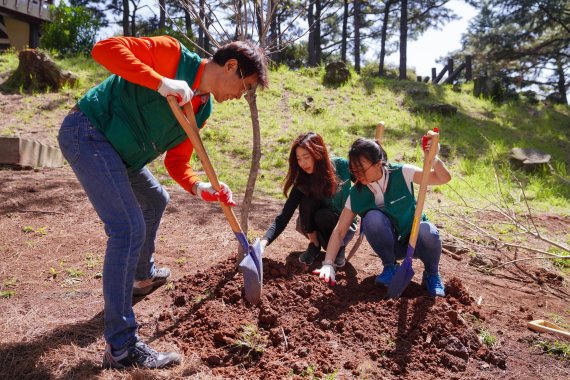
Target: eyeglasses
point(245, 89)
point(361, 173)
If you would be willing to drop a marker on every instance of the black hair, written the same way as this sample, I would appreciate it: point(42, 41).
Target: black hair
point(369, 149)
point(251, 59)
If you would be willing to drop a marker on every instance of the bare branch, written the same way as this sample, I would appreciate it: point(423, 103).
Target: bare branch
point(529, 258)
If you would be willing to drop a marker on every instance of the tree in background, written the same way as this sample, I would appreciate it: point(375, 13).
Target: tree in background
point(73, 29)
point(416, 17)
point(97, 7)
point(523, 43)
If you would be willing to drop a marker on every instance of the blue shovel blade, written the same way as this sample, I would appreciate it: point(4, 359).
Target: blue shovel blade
point(402, 277)
point(251, 266)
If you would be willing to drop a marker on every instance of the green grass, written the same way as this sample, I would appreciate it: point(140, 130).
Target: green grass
point(250, 340)
point(558, 349)
point(487, 338)
point(476, 141)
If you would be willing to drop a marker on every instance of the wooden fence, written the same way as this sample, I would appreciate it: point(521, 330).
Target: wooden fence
point(453, 74)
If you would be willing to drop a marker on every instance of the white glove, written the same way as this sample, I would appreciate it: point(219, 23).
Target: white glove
point(326, 273)
point(178, 88)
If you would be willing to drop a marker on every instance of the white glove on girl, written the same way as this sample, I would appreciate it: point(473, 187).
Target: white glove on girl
point(326, 274)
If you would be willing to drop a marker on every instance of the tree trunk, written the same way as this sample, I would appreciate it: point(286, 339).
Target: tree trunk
point(344, 43)
point(201, 30)
point(251, 98)
point(318, 49)
point(357, 36)
point(162, 16)
point(188, 22)
point(561, 80)
point(311, 42)
point(383, 38)
point(403, 39)
point(134, 20)
point(126, 15)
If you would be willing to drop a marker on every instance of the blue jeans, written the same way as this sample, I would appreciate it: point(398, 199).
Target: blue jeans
point(130, 205)
point(382, 237)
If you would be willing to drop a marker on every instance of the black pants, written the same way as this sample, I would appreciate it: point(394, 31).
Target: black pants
point(314, 215)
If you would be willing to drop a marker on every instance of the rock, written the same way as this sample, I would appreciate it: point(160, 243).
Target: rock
point(439, 108)
point(489, 88)
point(555, 98)
point(336, 73)
point(418, 93)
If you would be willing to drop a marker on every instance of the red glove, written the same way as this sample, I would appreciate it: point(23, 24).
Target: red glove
point(209, 194)
point(426, 142)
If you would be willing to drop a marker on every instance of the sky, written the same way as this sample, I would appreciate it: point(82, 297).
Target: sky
point(433, 44)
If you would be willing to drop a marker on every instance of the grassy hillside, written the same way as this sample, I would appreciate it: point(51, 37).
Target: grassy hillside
point(475, 143)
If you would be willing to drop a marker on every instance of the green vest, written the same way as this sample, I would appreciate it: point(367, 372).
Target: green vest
point(338, 200)
point(399, 202)
point(138, 121)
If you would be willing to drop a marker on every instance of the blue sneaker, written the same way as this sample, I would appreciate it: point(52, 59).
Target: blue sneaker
point(384, 278)
point(433, 284)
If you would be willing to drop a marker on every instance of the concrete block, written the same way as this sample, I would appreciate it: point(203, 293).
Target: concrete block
point(25, 153)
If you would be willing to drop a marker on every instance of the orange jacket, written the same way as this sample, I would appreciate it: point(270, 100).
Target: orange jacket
point(144, 61)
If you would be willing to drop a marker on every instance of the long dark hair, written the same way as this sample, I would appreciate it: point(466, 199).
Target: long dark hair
point(322, 183)
point(369, 149)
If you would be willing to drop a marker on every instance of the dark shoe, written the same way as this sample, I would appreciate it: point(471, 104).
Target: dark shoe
point(384, 278)
point(144, 287)
point(433, 284)
point(308, 257)
point(340, 258)
point(140, 355)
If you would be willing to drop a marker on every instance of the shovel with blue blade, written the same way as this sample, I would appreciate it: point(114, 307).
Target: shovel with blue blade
point(405, 272)
point(251, 266)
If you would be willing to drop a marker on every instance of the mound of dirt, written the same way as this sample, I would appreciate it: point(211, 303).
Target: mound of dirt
point(303, 326)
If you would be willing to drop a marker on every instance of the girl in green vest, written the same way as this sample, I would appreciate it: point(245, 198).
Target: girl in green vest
point(319, 188)
point(383, 197)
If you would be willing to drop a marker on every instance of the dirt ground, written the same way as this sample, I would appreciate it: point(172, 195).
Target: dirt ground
point(52, 248)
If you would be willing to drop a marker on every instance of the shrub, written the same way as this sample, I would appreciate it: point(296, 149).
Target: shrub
point(72, 30)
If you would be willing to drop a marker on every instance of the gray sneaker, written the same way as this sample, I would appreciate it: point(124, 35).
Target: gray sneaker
point(140, 355)
point(144, 287)
point(308, 257)
point(340, 258)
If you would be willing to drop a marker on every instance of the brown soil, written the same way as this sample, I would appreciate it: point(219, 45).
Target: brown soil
point(52, 247)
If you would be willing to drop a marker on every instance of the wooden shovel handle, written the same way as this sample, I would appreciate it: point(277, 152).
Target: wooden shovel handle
point(545, 326)
point(188, 122)
point(379, 132)
point(428, 158)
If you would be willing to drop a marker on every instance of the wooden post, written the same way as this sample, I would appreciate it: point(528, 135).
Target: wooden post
point(433, 74)
point(440, 75)
point(449, 66)
point(468, 68)
point(418, 78)
point(453, 75)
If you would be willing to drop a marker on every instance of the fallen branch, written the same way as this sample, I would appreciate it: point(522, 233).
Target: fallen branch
point(41, 211)
point(529, 258)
